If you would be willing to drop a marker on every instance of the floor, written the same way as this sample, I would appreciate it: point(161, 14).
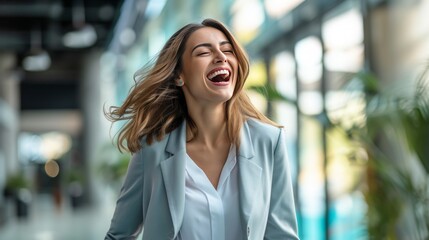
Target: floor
point(48, 222)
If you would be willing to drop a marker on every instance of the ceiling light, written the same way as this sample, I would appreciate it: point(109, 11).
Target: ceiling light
point(83, 35)
point(37, 61)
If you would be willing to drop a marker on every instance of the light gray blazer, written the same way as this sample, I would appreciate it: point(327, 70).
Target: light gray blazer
point(153, 193)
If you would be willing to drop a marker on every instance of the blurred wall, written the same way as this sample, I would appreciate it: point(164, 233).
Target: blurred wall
point(400, 41)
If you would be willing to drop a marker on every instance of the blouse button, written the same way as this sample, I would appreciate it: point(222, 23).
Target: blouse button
point(248, 232)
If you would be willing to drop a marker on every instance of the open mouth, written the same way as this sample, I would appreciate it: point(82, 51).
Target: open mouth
point(219, 75)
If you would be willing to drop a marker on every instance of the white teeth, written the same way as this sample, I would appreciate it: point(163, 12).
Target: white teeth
point(219, 72)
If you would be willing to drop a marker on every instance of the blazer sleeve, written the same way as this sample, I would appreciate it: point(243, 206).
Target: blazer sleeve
point(128, 216)
point(281, 222)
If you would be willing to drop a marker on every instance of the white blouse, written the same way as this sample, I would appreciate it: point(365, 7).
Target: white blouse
point(212, 213)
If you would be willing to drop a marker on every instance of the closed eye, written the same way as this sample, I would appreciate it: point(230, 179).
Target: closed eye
point(202, 53)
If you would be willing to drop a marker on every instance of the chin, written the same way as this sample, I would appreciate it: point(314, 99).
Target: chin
point(225, 98)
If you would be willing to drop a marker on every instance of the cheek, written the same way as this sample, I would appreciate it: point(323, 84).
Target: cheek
point(194, 71)
point(234, 64)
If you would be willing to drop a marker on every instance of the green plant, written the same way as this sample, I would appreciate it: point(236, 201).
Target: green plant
point(113, 164)
point(394, 137)
point(270, 93)
point(114, 170)
point(16, 181)
point(74, 175)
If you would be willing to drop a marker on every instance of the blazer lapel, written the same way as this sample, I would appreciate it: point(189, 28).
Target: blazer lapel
point(249, 179)
point(174, 168)
point(173, 173)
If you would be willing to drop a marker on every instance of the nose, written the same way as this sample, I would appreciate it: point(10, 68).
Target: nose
point(220, 57)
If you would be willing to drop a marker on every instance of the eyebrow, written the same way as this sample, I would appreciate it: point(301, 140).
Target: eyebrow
point(209, 45)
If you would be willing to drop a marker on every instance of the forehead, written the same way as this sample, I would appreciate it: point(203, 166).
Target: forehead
point(206, 35)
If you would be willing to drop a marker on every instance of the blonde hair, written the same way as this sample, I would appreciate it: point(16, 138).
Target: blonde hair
point(156, 106)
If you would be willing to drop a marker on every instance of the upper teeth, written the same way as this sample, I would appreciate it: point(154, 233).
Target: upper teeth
point(219, 72)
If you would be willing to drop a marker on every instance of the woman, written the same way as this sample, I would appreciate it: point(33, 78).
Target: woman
point(206, 164)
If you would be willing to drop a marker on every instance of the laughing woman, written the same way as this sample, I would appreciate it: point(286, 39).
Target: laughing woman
point(206, 164)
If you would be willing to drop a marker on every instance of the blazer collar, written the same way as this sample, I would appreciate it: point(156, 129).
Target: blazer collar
point(173, 173)
point(250, 176)
point(246, 146)
point(174, 169)
point(177, 139)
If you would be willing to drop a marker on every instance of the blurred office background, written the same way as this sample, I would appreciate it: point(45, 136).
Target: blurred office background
point(345, 78)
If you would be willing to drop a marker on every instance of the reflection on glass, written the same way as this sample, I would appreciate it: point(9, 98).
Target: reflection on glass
point(248, 16)
point(347, 60)
point(347, 203)
point(283, 72)
point(278, 8)
point(308, 51)
point(344, 30)
point(345, 110)
point(257, 77)
point(343, 39)
point(310, 102)
point(310, 74)
point(342, 174)
point(286, 115)
point(311, 179)
point(257, 74)
point(258, 100)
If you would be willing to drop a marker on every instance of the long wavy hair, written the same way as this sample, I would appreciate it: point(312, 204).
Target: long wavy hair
point(155, 106)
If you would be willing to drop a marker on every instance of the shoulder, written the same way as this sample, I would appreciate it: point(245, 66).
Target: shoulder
point(153, 150)
point(262, 135)
point(170, 143)
point(261, 130)
point(263, 139)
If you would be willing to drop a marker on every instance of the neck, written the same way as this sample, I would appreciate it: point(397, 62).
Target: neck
point(211, 125)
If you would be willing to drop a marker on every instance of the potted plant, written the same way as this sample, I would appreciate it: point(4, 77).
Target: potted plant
point(18, 189)
point(75, 181)
point(113, 166)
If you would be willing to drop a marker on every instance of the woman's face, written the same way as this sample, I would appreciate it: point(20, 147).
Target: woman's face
point(209, 68)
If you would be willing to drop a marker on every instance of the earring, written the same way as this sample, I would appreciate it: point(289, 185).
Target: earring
point(179, 82)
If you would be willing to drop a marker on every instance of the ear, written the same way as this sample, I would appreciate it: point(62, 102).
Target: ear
point(179, 82)
point(180, 75)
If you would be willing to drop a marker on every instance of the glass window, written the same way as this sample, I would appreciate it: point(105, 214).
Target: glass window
point(308, 53)
point(344, 54)
point(283, 74)
point(278, 8)
point(247, 18)
point(310, 102)
point(257, 77)
point(347, 205)
point(311, 179)
point(285, 113)
point(343, 39)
